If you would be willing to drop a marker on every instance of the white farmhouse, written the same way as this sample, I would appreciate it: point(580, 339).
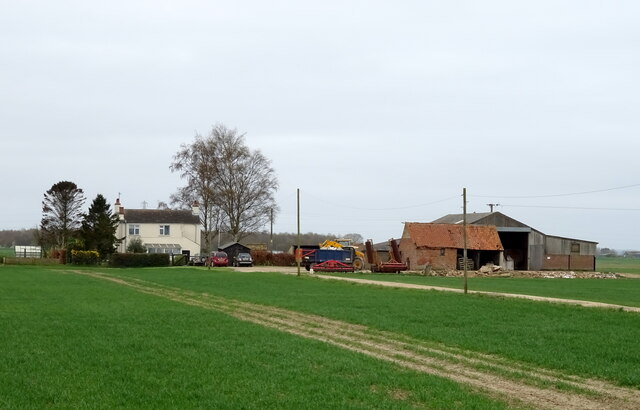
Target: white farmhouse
point(161, 230)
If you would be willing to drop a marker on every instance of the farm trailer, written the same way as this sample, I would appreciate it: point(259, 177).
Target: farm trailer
point(327, 260)
point(393, 265)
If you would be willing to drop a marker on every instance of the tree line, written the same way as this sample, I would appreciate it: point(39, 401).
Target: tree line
point(12, 237)
point(65, 226)
point(233, 186)
point(282, 241)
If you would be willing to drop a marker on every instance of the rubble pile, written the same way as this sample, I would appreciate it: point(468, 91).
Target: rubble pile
point(498, 272)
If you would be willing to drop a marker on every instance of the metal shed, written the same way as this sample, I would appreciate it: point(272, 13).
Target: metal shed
point(530, 249)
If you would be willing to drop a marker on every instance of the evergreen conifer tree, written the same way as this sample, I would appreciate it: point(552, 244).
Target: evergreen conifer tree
point(99, 226)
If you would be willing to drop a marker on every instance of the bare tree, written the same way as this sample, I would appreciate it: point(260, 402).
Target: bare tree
point(233, 185)
point(246, 185)
point(195, 163)
point(61, 213)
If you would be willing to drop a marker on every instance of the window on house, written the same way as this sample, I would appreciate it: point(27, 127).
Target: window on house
point(134, 229)
point(442, 251)
point(164, 230)
point(575, 248)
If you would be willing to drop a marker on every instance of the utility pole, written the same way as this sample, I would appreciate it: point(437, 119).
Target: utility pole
point(464, 235)
point(298, 251)
point(271, 237)
point(219, 232)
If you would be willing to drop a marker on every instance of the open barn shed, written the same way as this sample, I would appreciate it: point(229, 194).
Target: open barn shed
point(529, 249)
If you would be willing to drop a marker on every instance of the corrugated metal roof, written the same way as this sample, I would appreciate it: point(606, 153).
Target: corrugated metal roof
point(431, 235)
point(570, 239)
point(483, 218)
point(457, 218)
point(503, 223)
point(160, 216)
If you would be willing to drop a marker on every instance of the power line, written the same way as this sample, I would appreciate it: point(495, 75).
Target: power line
point(573, 207)
point(382, 209)
point(556, 195)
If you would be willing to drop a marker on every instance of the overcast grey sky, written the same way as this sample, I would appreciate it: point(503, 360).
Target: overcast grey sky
point(379, 111)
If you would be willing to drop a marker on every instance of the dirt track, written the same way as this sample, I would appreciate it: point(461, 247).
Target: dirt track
point(585, 303)
point(516, 383)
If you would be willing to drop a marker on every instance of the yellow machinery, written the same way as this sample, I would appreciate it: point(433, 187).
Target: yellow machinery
point(358, 257)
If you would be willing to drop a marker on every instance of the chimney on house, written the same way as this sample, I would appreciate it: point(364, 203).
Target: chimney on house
point(195, 208)
point(119, 209)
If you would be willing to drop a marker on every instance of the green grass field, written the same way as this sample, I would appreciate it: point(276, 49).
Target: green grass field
point(81, 342)
point(614, 291)
point(7, 252)
point(618, 264)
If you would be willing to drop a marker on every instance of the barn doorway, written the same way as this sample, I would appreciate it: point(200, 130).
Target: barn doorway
point(479, 258)
point(516, 247)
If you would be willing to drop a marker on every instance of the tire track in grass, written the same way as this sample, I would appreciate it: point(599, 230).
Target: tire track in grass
point(513, 382)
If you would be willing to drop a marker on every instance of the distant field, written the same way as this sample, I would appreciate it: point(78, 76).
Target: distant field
point(615, 291)
point(618, 264)
point(7, 252)
point(192, 337)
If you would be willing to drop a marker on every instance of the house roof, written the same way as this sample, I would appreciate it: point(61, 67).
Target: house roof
point(432, 235)
point(161, 216)
point(230, 244)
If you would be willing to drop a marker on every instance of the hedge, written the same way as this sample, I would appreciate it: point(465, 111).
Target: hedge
point(264, 258)
point(139, 260)
point(85, 257)
point(30, 261)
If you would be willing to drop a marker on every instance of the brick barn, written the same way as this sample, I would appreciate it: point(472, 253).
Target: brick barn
point(440, 246)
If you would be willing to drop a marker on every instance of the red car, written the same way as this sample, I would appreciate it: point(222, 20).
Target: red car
point(219, 259)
